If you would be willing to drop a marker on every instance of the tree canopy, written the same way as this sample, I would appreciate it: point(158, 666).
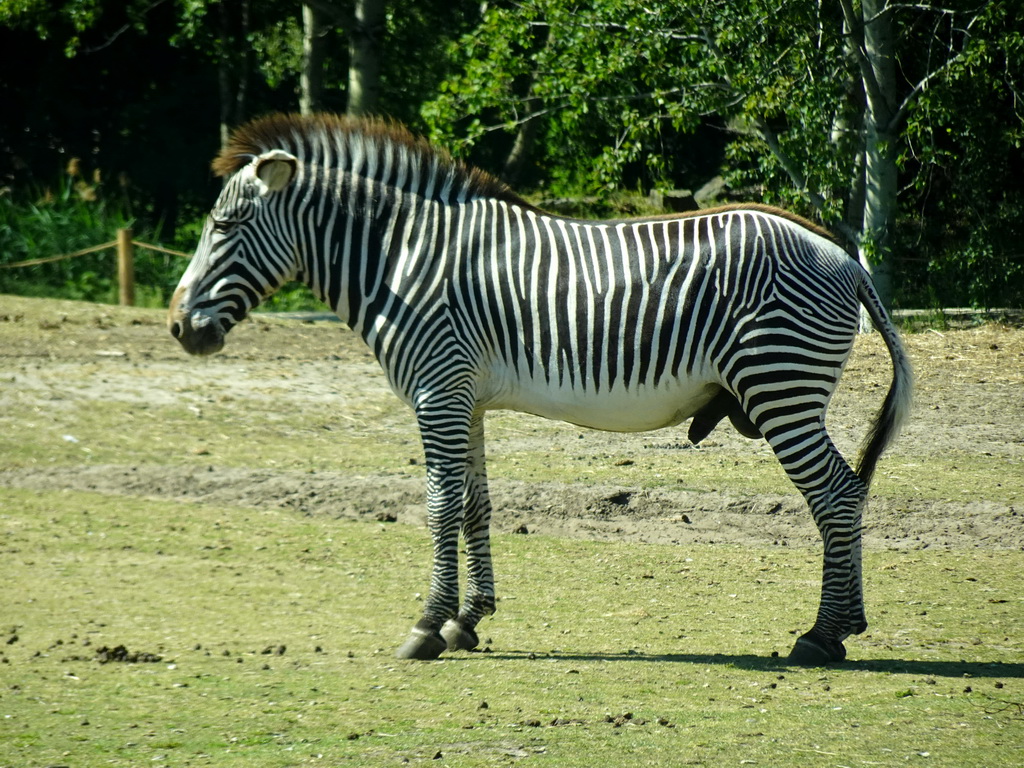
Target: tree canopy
point(895, 124)
point(828, 108)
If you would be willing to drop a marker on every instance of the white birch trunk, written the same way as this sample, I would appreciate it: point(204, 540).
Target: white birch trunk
point(364, 58)
point(312, 75)
point(879, 146)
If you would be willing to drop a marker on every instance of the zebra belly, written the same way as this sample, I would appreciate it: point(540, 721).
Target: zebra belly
point(637, 409)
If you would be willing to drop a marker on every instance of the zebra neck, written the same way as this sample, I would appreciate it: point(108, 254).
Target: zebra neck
point(373, 244)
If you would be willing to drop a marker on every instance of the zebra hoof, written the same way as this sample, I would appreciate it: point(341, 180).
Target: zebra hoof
point(458, 637)
point(422, 644)
point(812, 652)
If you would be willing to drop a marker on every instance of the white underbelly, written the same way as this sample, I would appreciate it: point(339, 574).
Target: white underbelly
point(637, 409)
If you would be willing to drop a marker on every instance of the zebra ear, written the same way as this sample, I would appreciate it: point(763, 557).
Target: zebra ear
point(276, 169)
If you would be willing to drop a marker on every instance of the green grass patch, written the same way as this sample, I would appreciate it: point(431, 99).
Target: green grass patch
point(275, 635)
point(233, 429)
point(229, 430)
point(951, 476)
point(219, 427)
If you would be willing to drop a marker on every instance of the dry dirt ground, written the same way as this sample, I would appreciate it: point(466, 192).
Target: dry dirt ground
point(970, 401)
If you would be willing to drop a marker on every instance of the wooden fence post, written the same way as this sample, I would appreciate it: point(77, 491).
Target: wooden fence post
point(125, 267)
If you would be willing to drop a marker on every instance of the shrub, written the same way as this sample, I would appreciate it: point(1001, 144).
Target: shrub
point(77, 213)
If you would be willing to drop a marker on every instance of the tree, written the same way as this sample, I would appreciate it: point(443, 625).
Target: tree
point(137, 89)
point(365, 27)
point(816, 97)
point(311, 84)
point(91, 93)
point(961, 230)
point(885, 107)
point(234, 58)
point(364, 58)
point(144, 89)
point(419, 38)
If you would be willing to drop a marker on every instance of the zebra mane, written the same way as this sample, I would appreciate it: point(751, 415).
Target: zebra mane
point(297, 133)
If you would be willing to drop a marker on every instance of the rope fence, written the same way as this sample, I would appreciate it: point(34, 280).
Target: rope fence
point(125, 261)
point(126, 277)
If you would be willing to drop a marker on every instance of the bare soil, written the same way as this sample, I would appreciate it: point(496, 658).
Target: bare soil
point(969, 399)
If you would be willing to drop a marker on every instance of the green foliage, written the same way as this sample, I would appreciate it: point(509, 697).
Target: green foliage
point(418, 46)
point(70, 19)
point(961, 232)
point(279, 51)
point(75, 214)
point(621, 87)
point(595, 77)
point(617, 89)
point(607, 96)
point(294, 297)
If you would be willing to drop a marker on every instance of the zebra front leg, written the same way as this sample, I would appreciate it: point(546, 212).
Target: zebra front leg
point(460, 632)
point(445, 442)
point(444, 516)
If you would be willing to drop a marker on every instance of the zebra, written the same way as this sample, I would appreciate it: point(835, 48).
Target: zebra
point(473, 300)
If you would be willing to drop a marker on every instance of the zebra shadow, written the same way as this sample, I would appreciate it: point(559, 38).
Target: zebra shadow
point(750, 662)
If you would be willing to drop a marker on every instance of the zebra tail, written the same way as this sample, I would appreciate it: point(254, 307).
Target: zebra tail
point(896, 406)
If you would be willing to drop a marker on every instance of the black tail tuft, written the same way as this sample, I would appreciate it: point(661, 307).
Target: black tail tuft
point(896, 407)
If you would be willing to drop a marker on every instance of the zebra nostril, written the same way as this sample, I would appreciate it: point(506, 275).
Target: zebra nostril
point(176, 330)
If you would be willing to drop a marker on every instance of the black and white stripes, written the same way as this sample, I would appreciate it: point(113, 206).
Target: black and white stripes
point(472, 300)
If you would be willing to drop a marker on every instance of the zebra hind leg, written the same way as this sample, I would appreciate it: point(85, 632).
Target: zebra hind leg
point(841, 611)
point(836, 497)
point(841, 581)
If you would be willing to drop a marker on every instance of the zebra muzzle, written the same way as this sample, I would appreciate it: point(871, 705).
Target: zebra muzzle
point(204, 339)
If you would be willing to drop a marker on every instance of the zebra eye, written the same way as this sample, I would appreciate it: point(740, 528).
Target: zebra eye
point(222, 226)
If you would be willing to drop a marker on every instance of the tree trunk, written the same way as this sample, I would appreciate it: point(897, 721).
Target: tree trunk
point(364, 58)
point(225, 91)
point(234, 63)
point(880, 87)
point(879, 209)
point(526, 136)
point(848, 138)
point(522, 147)
point(311, 78)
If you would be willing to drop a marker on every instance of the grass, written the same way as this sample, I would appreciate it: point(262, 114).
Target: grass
point(107, 432)
point(220, 431)
point(206, 418)
point(276, 633)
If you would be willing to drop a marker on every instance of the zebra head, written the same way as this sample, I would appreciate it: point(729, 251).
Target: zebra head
point(243, 255)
